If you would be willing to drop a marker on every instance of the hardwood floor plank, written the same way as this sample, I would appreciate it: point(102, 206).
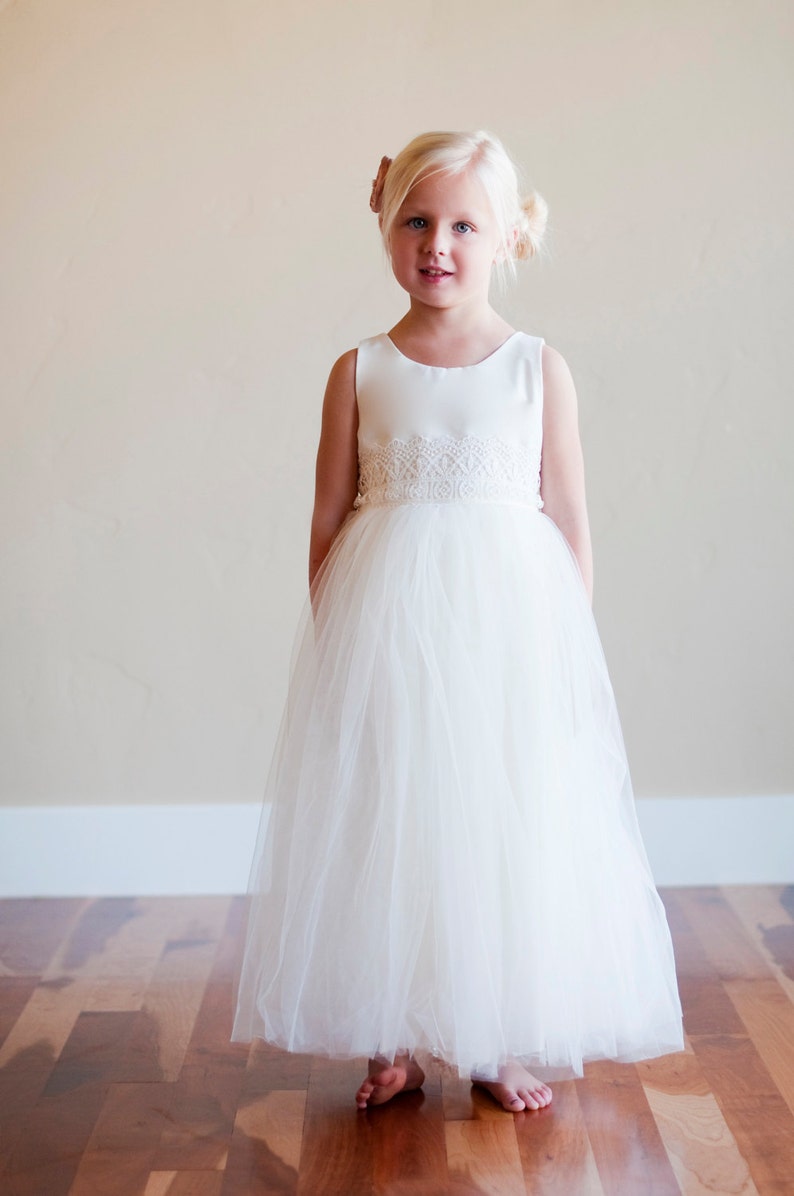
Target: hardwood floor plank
point(765, 911)
point(482, 1156)
point(208, 1091)
point(707, 1007)
point(184, 1183)
point(721, 933)
point(680, 1072)
point(203, 1109)
point(271, 1070)
point(118, 1155)
point(23, 1078)
point(266, 1145)
point(336, 1153)
point(768, 1015)
point(554, 1147)
point(123, 970)
point(48, 1017)
point(15, 992)
point(702, 1150)
point(57, 1130)
point(31, 1051)
point(753, 1108)
point(457, 1096)
point(408, 1144)
point(691, 961)
point(170, 1008)
point(100, 923)
point(627, 1146)
point(31, 930)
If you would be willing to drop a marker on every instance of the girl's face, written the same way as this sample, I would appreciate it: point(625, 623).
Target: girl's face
point(444, 241)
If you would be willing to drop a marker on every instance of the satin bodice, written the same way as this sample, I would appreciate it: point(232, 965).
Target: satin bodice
point(445, 434)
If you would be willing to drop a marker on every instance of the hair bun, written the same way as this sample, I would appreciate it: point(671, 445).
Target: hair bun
point(531, 226)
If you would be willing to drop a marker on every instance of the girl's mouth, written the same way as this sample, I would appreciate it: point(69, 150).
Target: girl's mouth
point(433, 274)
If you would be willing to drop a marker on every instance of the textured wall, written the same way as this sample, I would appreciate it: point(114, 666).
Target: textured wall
point(186, 247)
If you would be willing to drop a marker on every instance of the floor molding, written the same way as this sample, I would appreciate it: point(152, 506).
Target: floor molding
point(114, 851)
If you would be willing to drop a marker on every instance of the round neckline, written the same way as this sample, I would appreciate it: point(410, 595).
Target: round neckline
point(473, 365)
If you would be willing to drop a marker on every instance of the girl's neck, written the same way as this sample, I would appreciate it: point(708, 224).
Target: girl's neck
point(443, 337)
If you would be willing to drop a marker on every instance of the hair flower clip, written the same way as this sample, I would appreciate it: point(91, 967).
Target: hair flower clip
point(376, 198)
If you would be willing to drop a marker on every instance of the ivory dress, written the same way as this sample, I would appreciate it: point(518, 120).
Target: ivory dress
point(452, 861)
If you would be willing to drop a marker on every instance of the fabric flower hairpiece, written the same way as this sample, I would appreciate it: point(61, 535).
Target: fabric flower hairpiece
point(376, 198)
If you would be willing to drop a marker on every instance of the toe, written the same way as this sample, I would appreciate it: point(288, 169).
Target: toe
point(514, 1103)
point(529, 1098)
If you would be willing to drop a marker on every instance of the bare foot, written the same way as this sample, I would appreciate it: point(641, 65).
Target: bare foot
point(517, 1089)
point(385, 1080)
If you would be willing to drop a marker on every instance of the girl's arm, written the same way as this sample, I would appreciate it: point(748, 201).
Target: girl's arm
point(336, 479)
point(562, 471)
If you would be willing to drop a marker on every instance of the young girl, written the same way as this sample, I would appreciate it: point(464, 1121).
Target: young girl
point(452, 862)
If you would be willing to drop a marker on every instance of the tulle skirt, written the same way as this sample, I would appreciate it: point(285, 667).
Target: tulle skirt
point(449, 860)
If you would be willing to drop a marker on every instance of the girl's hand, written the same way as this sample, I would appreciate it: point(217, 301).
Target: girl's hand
point(336, 479)
point(562, 468)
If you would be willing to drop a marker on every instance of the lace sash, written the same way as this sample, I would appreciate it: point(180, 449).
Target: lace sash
point(448, 469)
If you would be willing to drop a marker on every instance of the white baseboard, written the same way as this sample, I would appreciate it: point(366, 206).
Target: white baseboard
point(115, 851)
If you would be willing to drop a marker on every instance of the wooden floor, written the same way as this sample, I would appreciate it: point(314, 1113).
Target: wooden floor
point(117, 1075)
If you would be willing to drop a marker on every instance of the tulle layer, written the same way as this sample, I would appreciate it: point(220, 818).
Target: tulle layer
point(452, 861)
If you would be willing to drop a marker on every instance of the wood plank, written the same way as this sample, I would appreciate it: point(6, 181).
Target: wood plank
point(702, 1150)
point(723, 937)
point(756, 1113)
point(123, 970)
point(184, 1183)
point(170, 1008)
point(270, 1069)
point(266, 1146)
point(765, 911)
point(15, 992)
point(691, 961)
point(29, 1054)
point(31, 929)
point(100, 923)
point(768, 1015)
point(482, 1156)
point(556, 1155)
point(707, 1007)
point(57, 1131)
point(336, 1153)
point(48, 1018)
point(407, 1140)
point(203, 1107)
point(207, 1093)
point(627, 1146)
point(118, 1155)
point(23, 1078)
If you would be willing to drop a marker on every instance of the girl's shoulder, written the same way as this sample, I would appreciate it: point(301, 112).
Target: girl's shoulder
point(553, 361)
point(559, 392)
point(343, 371)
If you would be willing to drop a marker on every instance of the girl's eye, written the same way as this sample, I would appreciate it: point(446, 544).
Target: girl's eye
point(462, 227)
point(417, 222)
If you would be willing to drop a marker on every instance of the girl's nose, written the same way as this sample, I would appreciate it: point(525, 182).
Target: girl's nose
point(435, 242)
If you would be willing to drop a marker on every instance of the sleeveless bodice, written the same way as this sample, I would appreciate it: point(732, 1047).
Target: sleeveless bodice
point(449, 434)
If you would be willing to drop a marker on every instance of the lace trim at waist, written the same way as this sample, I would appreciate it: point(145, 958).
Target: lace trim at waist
point(448, 469)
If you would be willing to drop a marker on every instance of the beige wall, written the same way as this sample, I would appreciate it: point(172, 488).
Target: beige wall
point(186, 246)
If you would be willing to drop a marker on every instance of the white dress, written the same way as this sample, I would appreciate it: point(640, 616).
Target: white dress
point(452, 861)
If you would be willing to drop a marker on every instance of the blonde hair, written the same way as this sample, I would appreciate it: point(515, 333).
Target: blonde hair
point(521, 222)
